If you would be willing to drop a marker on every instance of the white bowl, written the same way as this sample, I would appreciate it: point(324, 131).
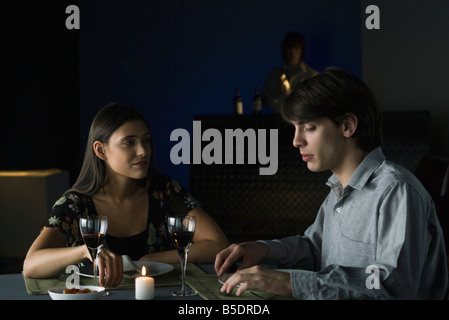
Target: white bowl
point(57, 293)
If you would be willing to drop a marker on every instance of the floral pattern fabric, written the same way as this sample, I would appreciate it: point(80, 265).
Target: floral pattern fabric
point(167, 197)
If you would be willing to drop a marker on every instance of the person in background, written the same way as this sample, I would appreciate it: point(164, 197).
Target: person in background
point(281, 80)
point(118, 180)
point(376, 235)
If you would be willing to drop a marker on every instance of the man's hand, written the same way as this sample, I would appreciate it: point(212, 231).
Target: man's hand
point(251, 253)
point(259, 278)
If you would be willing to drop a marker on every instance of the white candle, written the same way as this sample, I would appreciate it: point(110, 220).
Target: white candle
point(144, 286)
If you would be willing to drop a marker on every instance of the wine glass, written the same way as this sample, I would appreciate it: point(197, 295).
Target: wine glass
point(93, 229)
point(181, 231)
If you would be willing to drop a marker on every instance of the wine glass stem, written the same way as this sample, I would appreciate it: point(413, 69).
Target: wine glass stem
point(183, 259)
point(94, 258)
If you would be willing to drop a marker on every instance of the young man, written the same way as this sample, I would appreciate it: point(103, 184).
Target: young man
point(376, 234)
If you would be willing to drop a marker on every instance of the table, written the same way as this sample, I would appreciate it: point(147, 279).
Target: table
point(12, 287)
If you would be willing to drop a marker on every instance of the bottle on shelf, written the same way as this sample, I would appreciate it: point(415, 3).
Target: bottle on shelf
point(257, 102)
point(238, 103)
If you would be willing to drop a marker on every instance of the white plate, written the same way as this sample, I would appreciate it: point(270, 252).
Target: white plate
point(57, 293)
point(226, 276)
point(153, 269)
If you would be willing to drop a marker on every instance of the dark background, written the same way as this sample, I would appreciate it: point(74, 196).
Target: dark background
point(170, 59)
point(177, 59)
point(41, 126)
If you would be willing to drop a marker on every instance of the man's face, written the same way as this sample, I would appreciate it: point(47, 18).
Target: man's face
point(321, 143)
point(293, 55)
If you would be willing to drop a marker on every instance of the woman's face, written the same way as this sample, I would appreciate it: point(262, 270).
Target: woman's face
point(128, 151)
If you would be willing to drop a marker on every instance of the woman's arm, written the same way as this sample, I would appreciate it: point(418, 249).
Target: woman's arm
point(208, 240)
point(48, 255)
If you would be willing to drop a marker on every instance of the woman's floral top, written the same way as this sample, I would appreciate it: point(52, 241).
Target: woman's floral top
point(167, 196)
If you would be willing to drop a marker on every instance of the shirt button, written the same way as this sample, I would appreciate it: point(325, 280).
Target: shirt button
point(338, 210)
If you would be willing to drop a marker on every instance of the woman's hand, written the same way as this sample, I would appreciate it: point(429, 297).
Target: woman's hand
point(259, 278)
point(110, 266)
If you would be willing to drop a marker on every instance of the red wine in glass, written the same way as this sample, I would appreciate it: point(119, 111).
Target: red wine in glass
point(94, 241)
point(93, 229)
point(181, 230)
point(182, 239)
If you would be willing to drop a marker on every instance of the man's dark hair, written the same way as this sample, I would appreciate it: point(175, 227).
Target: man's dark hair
point(333, 94)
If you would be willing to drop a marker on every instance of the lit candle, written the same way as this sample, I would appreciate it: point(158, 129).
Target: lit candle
point(144, 286)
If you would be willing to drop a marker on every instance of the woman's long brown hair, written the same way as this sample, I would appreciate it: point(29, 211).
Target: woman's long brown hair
point(93, 171)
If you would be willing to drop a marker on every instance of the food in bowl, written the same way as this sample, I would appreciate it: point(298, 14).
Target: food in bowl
point(82, 293)
point(78, 291)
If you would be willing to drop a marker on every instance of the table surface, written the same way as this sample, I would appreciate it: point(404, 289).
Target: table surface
point(12, 287)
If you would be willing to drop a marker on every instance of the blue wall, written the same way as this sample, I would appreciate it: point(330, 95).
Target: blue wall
point(176, 59)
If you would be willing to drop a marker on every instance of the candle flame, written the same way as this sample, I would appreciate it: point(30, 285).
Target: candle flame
point(144, 271)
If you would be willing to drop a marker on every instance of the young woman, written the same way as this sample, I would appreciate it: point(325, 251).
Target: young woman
point(117, 180)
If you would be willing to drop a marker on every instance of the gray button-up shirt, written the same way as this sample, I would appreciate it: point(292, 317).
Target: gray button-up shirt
point(379, 237)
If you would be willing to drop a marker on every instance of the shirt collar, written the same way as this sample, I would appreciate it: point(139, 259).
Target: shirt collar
point(363, 172)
